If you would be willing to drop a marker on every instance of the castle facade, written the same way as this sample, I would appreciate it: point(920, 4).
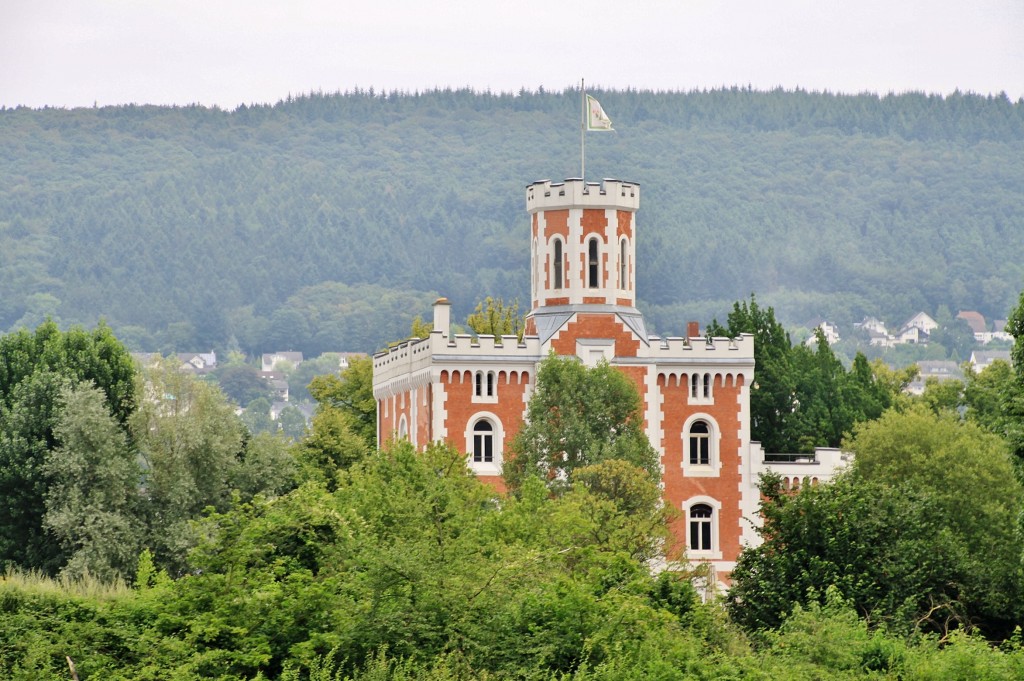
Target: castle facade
point(473, 392)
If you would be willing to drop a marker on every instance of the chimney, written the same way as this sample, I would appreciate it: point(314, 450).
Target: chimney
point(692, 329)
point(442, 316)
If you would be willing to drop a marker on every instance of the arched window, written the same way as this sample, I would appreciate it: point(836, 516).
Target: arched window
point(478, 384)
point(623, 265)
point(701, 517)
point(592, 267)
point(694, 384)
point(403, 428)
point(700, 444)
point(707, 385)
point(557, 264)
point(483, 442)
point(490, 384)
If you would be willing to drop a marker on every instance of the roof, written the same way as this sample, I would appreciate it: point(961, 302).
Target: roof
point(974, 319)
point(986, 357)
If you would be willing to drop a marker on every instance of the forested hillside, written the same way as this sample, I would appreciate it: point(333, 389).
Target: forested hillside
point(325, 222)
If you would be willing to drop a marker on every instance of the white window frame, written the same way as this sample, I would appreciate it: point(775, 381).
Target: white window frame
point(715, 551)
point(492, 467)
point(403, 428)
point(714, 466)
point(485, 386)
point(701, 388)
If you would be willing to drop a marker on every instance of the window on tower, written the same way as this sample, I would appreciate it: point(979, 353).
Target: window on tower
point(484, 384)
point(483, 442)
point(623, 265)
point(484, 437)
point(700, 444)
point(701, 526)
point(557, 264)
point(701, 447)
point(592, 264)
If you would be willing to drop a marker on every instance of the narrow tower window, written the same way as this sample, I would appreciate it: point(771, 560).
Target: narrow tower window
point(592, 264)
point(557, 269)
point(623, 266)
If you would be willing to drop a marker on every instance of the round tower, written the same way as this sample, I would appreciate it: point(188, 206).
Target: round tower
point(583, 244)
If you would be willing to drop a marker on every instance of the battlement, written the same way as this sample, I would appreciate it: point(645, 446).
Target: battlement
point(704, 349)
point(485, 345)
point(576, 193)
point(418, 357)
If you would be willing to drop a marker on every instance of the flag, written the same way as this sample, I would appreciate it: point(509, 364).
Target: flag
point(597, 119)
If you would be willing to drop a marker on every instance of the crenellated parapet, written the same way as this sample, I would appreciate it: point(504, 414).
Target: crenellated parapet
point(418, 362)
point(575, 193)
point(701, 348)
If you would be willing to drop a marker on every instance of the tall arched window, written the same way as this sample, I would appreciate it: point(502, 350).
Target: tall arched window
point(592, 265)
point(557, 264)
point(483, 442)
point(700, 527)
point(700, 444)
point(707, 385)
point(623, 266)
point(694, 384)
point(403, 428)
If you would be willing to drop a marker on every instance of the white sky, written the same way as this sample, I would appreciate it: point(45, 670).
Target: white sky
point(227, 52)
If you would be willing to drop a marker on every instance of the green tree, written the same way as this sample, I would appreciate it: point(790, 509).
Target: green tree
point(493, 317)
point(292, 423)
point(190, 443)
point(92, 502)
point(331, 445)
point(1013, 399)
point(882, 547)
point(952, 461)
point(773, 395)
point(242, 383)
point(352, 393)
point(578, 416)
point(299, 379)
point(34, 369)
point(256, 417)
point(802, 397)
point(942, 396)
point(987, 395)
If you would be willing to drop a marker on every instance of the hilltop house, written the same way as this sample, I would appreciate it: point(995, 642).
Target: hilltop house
point(828, 329)
point(936, 369)
point(473, 392)
point(983, 359)
point(271, 360)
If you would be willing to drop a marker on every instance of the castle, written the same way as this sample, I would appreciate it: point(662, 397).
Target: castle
point(473, 392)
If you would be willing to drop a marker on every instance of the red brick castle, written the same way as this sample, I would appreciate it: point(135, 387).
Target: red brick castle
point(473, 392)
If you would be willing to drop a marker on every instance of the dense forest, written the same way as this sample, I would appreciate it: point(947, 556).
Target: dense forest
point(324, 222)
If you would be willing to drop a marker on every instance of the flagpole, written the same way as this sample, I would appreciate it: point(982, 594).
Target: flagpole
point(583, 130)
